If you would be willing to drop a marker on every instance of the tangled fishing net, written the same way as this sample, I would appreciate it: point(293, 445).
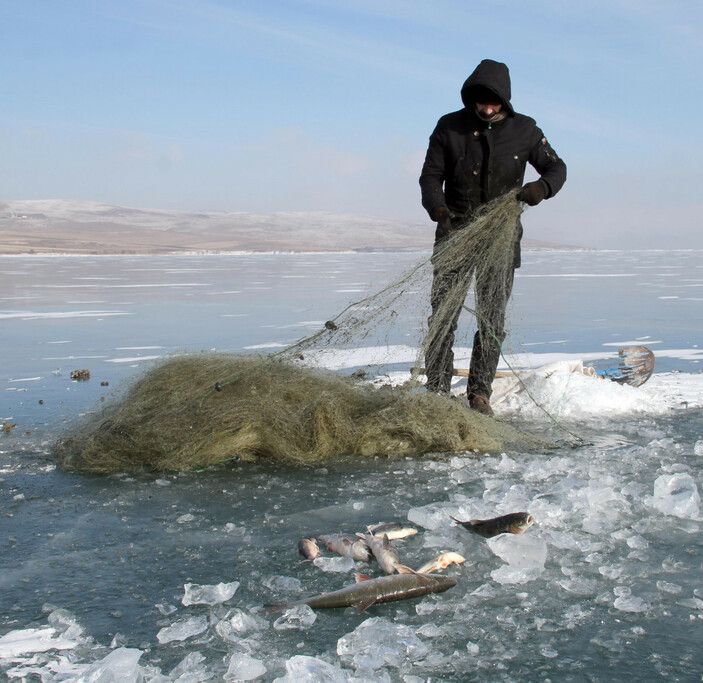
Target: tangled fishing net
point(175, 419)
point(200, 410)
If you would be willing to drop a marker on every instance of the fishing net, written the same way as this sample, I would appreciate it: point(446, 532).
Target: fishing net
point(479, 250)
point(181, 416)
point(205, 409)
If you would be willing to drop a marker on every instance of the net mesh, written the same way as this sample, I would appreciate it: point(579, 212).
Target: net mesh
point(480, 250)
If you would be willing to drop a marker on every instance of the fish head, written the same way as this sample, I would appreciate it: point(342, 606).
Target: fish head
point(523, 521)
point(308, 548)
point(447, 559)
point(442, 582)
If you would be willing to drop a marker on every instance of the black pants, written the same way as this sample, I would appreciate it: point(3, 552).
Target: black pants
point(491, 299)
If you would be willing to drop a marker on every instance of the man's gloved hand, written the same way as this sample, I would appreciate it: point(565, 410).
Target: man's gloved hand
point(533, 193)
point(443, 216)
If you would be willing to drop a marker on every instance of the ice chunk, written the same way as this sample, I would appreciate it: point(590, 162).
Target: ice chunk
point(165, 608)
point(283, 584)
point(182, 629)
point(667, 587)
point(240, 623)
point(677, 495)
point(525, 556)
point(433, 516)
point(485, 590)
point(29, 640)
point(303, 669)
point(243, 667)
point(695, 603)
point(637, 542)
point(191, 669)
point(65, 623)
point(300, 617)
point(120, 666)
point(182, 519)
point(334, 564)
point(698, 447)
point(208, 595)
point(378, 642)
point(630, 603)
point(430, 631)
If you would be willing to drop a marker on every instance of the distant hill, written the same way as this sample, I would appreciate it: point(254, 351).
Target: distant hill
point(61, 226)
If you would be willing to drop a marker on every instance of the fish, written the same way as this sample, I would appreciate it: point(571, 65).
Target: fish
point(347, 546)
point(514, 523)
point(385, 554)
point(368, 592)
point(308, 548)
point(441, 562)
point(394, 530)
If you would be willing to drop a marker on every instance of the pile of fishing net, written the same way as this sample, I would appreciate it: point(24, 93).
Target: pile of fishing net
point(200, 410)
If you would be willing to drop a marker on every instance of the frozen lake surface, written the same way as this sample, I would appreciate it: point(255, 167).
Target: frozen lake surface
point(606, 586)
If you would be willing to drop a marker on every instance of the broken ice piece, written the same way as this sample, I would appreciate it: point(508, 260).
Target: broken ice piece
point(299, 617)
point(182, 629)
point(243, 667)
point(208, 595)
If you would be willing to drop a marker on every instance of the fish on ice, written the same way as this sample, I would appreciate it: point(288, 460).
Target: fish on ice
point(308, 548)
point(347, 546)
point(392, 588)
point(394, 530)
point(441, 562)
point(385, 554)
point(513, 523)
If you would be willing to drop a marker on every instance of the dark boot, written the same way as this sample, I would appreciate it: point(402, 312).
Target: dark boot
point(481, 404)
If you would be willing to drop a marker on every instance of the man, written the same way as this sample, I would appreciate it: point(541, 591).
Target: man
point(475, 155)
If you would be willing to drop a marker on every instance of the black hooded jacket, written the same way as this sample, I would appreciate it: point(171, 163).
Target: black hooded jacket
point(470, 161)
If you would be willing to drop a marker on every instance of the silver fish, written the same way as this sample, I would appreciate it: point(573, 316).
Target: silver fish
point(347, 546)
point(366, 593)
point(394, 530)
point(383, 551)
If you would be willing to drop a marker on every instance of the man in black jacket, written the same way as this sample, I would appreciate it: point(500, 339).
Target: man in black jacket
point(477, 154)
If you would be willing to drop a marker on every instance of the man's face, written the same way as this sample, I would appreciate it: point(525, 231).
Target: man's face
point(487, 110)
point(488, 104)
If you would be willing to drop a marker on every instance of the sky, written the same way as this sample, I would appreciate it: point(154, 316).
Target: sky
point(322, 105)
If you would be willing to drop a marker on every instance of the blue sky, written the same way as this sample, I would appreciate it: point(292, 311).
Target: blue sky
point(320, 105)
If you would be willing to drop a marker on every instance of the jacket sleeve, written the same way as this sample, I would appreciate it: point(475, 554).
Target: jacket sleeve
point(546, 162)
point(433, 173)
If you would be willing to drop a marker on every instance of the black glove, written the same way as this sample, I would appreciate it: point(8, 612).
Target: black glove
point(443, 216)
point(533, 193)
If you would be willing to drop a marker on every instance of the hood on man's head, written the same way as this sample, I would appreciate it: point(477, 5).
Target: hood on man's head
point(489, 75)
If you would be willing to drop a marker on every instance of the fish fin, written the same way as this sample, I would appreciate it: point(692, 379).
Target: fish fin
point(404, 569)
point(361, 577)
point(454, 519)
point(363, 605)
point(360, 535)
point(428, 568)
point(386, 541)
